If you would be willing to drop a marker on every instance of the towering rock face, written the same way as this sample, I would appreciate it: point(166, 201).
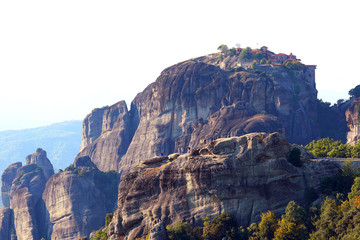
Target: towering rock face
point(26, 202)
point(243, 176)
point(106, 135)
point(66, 205)
point(195, 101)
point(22, 189)
point(6, 223)
point(77, 200)
point(40, 159)
point(353, 120)
point(6, 182)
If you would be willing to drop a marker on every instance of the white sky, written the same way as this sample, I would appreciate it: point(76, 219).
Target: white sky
point(60, 59)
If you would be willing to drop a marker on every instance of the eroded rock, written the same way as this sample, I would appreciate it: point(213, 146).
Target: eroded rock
point(243, 176)
point(7, 178)
point(353, 122)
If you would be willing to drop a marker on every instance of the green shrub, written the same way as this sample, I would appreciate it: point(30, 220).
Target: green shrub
point(293, 65)
point(246, 54)
point(294, 157)
point(355, 92)
point(219, 227)
point(180, 230)
point(100, 235)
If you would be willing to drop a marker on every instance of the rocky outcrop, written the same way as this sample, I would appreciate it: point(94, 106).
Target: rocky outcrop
point(84, 162)
point(197, 101)
point(26, 202)
point(243, 176)
point(78, 199)
point(25, 195)
point(6, 182)
point(158, 232)
point(353, 120)
point(40, 159)
point(67, 205)
point(6, 223)
point(106, 135)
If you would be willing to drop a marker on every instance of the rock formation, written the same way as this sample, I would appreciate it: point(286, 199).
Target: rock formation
point(22, 188)
point(76, 202)
point(6, 224)
point(40, 159)
point(6, 182)
point(26, 202)
point(196, 101)
point(67, 205)
point(353, 120)
point(243, 176)
point(106, 135)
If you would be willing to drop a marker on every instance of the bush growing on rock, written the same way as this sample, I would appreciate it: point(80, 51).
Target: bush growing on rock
point(328, 147)
point(355, 92)
point(294, 157)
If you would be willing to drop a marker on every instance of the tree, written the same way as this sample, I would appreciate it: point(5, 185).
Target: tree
point(232, 51)
point(294, 157)
point(253, 65)
point(355, 92)
point(180, 230)
point(219, 227)
point(293, 223)
point(267, 225)
point(223, 48)
point(287, 231)
point(108, 219)
point(326, 224)
point(355, 189)
point(259, 55)
point(295, 213)
point(246, 54)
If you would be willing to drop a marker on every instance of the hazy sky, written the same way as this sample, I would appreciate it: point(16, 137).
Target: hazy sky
point(61, 59)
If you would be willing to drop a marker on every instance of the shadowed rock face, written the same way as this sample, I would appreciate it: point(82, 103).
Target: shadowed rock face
point(68, 205)
point(26, 202)
point(22, 189)
point(243, 176)
point(353, 120)
point(6, 223)
point(106, 135)
point(76, 206)
point(6, 181)
point(195, 101)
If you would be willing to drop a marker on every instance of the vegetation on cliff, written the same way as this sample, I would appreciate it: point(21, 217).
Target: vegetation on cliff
point(328, 147)
point(336, 218)
point(355, 92)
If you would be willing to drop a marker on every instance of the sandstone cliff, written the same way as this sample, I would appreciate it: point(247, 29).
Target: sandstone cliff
point(26, 202)
point(7, 230)
point(196, 101)
point(106, 135)
point(6, 182)
point(243, 176)
point(353, 120)
point(67, 205)
point(40, 159)
point(78, 199)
